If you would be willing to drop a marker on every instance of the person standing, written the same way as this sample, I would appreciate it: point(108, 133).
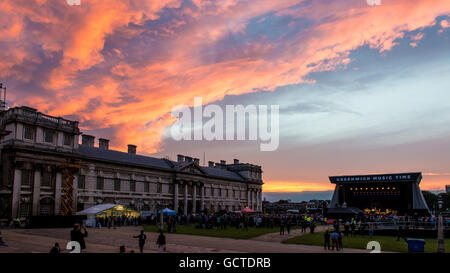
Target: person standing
point(288, 226)
point(77, 235)
point(142, 237)
point(161, 242)
point(334, 241)
point(282, 227)
point(2, 243)
point(312, 226)
point(340, 246)
point(326, 244)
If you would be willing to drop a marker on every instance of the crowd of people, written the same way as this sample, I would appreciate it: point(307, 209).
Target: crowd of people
point(222, 221)
point(118, 221)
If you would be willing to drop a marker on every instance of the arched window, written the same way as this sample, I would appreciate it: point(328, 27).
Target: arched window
point(47, 206)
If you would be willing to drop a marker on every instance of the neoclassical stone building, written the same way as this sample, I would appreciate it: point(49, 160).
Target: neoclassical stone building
point(35, 146)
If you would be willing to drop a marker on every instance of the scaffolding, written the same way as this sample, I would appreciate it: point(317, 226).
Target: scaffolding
point(69, 169)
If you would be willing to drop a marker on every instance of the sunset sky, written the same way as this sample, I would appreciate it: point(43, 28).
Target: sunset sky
point(362, 89)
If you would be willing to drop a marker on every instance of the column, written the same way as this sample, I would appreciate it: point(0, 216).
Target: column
point(202, 192)
point(194, 198)
point(58, 186)
point(185, 198)
point(175, 197)
point(258, 200)
point(248, 198)
point(16, 192)
point(253, 199)
point(36, 192)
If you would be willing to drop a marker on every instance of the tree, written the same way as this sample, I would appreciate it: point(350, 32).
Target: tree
point(430, 198)
point(445, 196)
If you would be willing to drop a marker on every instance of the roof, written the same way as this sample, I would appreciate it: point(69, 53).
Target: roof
point(396, 177)
point(121, 157)
point(96, 209)
point(152, 162)
point(222, 173)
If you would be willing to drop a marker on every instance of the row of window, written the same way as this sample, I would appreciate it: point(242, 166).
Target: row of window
point(47, 178)
point(29, 133)
point(117, 182)
point(233, 193)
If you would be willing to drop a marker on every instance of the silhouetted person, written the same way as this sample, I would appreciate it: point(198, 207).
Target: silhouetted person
point(122, 249)
point(77, 235)
point(326, 243)
point(55, 249)
point(161, 242)
point(142, 237)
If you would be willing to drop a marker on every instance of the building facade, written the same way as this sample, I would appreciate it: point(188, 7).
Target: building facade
point(37, 146)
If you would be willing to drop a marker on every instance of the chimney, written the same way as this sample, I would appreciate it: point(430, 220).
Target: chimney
point(211, 164)
point(131, 149)
point(180, 158)
point(236, 161)
point(197, 161)
point(88, 140)
point(223, 162)
point(188, 159)
point(103, 143)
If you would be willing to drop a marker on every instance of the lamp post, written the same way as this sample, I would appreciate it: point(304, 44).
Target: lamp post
point(161, 217)
point(440, 248)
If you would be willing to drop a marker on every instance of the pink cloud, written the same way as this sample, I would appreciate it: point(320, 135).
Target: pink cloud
point(110, 50)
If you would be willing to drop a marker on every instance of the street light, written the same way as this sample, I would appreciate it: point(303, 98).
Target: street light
point(161, 218)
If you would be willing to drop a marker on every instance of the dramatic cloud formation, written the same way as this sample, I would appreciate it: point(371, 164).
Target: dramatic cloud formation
point(119, 66)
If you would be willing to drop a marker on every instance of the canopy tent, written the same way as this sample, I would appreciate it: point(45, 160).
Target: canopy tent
point(104, 210)
point(168, 211)
point(247, 210)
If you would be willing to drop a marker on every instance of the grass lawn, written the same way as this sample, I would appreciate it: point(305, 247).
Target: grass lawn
point(388, 243)
point(230, 232)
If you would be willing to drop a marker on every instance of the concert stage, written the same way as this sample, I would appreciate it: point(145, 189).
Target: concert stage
point(380, 193)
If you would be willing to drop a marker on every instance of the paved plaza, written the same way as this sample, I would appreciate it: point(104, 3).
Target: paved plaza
point(108, 241)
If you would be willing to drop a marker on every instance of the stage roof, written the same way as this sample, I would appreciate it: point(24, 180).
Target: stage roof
point(377, 178)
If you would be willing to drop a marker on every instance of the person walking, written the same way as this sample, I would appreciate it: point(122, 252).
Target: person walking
point(142, 237)
point(161, 242)
point(282, 227)
point(77, 235)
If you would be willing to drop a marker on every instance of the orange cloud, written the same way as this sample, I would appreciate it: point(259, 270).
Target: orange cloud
point(116, 64)
point(295, 186)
